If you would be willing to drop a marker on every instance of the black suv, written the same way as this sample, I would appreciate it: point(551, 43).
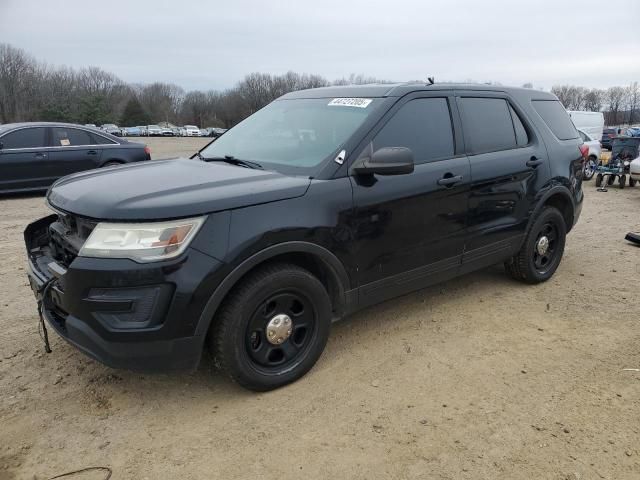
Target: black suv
point(324, 202)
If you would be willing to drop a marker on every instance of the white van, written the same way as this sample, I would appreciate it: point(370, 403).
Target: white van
point(589, 122)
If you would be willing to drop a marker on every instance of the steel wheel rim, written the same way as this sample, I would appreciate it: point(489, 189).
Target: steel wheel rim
point(264, 351)
point(544, 258)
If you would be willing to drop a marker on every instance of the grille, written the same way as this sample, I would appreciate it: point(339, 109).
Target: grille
point(66, 237)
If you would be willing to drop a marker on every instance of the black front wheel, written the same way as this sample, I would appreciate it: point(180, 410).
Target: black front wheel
point(542, 249)
point(632, 182)
point(273, 327)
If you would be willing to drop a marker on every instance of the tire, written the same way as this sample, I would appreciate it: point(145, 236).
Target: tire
point(529, 265)
point(111, 163)
point(590, 168)
point(239, 339)
point(611, 179)
point(599, 180)
point(632, 182)
point(623, 181)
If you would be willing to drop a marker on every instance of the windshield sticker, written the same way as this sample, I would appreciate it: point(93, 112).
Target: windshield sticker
point(350, 102)
point(65, 142)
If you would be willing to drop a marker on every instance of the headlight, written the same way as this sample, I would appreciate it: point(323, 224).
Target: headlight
point(142, 242)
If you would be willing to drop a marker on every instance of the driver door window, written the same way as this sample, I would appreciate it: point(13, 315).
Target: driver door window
point(422, 125)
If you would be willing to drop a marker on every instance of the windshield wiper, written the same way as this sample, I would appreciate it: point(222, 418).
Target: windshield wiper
point(233, 161)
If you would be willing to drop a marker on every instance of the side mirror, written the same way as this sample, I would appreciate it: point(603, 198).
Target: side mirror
point(386, 161)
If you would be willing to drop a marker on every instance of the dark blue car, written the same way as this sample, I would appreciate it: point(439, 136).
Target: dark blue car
point(34, 155)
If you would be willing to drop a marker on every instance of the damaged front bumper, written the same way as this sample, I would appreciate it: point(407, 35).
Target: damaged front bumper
point(123, 314)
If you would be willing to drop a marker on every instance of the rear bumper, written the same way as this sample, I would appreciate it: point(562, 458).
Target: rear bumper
point(123, 314)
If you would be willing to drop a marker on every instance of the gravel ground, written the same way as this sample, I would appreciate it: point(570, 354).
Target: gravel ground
point(480, 377)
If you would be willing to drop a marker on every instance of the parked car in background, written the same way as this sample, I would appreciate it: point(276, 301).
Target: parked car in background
point(608, 134)
point(591, 123)
point(90, 125)
point(133, 132)
point(143, 130)
point(154, 131)
point(216, 132)
point(111, 129)
point(258, 247)
point(593, 159)
point(204, 132)
point(634, 169)
point(166, 132)
point(191, 131)
point(33, 155)
point(177, 131)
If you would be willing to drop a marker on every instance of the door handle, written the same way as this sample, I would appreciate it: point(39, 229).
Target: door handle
point(534, 162)
point(92, 152)
point(40, 155)
point(449, 180)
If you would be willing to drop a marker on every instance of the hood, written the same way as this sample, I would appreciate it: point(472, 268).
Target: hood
point(164, 189)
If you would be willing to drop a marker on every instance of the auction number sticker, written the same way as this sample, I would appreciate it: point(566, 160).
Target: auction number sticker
point(350, 102)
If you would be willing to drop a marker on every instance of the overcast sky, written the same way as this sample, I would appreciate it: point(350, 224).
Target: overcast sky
point(201, 44)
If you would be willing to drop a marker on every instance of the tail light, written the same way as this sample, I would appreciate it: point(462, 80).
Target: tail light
point(584, 151)
point(147, 150)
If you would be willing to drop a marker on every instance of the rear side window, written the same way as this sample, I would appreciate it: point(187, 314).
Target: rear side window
point(556, 118)
point(424, 126)
point(24, 138)
point(100, 140)
point(487, 125)
point(70, 137)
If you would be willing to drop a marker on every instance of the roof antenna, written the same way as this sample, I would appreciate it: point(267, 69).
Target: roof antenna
point(431, 80)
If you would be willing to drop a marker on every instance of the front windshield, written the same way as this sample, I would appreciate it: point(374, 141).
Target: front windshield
point(295, 134)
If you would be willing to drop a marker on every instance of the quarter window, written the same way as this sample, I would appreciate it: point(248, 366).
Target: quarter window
point(24, 138)
point(556, 118)
point(70, 137)
point(100, 140)
point(522, 138)
point(422, 125)
point(487, 125)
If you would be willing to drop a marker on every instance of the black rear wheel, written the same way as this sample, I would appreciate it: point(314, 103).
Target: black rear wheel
point(542, 249)
point(611, 179)
point(623, 181)
point(273, 327)
point(632, 182)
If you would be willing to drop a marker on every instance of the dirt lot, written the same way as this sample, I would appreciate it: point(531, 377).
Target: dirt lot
point(480, 377)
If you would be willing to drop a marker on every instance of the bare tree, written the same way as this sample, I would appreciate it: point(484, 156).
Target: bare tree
point(17, 81)
point(615, 97)
point(593, 100)
point(633, 100)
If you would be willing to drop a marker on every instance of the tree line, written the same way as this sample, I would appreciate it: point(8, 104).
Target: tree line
point(621, 105)
point(34, 91)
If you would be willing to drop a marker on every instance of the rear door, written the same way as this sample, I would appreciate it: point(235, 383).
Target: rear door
point(508, 166)
point(23, 159)
point(73, 150)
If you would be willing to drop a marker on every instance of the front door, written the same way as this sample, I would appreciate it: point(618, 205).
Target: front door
point(409, 229)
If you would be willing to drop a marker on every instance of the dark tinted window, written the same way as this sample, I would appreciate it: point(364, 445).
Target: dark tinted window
point(557, 118)
point(487, 125)
point(24, 138)
point(522, 138)
point(424, 126)
point(100, 140)
point(69, 137)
